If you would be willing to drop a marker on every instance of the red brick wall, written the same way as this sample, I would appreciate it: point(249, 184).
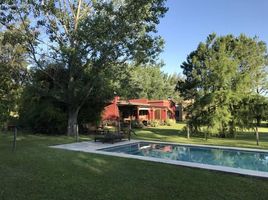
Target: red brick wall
point(111, 112)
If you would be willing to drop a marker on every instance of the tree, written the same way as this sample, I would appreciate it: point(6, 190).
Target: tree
point(12, 73)
point(42, 113)
point(148, 82)
point(219, 74)
point(253, 110)
point(39, 111)
point(88, 37)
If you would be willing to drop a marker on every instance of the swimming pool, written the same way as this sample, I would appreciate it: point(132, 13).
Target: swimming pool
point(216, 158)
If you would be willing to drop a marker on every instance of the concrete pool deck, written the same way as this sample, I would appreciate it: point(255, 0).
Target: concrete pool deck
point(95, 147)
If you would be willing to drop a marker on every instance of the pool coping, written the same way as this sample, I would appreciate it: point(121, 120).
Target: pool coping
point(198, 145)
point(96, 147)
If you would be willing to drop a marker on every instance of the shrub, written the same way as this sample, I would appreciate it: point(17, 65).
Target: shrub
point(43, 117)
point(109, 123)
point(170, 122)
point(154, 123)
point(137, 124)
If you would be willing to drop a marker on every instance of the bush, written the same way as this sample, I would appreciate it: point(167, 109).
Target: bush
point(170, 122)
point(154, 123)
point(109, 123)
point(43, 117)
point(137, 124)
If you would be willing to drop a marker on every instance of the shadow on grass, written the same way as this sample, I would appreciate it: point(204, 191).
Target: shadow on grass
point(175, 134)
point(39, 172)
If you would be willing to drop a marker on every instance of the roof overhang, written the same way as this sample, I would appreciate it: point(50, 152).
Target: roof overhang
point(144, 108)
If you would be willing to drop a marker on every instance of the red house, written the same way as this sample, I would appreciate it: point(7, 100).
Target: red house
point(142, 110)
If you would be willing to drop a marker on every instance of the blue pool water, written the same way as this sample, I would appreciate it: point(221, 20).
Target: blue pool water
point(243, 159)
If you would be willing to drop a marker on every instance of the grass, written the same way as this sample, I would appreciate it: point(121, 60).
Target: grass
point(36, 171)
point(174, 134)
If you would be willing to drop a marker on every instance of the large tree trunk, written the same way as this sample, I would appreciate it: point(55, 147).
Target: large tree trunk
point(72, 122)
point(257, 135)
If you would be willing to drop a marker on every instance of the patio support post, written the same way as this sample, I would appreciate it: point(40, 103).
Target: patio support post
point(166, 113)
point(138, 110)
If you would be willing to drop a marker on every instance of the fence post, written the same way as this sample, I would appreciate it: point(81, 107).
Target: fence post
point(119, 126)
point(188, 132)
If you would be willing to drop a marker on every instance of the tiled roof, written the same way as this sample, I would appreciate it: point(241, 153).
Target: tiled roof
point(127, 103)
point(132, 103)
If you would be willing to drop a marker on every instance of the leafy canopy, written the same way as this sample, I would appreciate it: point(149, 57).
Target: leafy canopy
point(148, 82)
point(87, 38)
point(219, 74)
point(12, 73)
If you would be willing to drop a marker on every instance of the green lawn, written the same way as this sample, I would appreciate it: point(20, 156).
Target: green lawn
point(36, 171)
point(173, 134)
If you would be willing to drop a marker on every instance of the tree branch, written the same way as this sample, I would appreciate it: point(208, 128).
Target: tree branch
point(33, 51)
point(77, 14)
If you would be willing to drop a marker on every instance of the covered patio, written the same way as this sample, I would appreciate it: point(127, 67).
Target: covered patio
point(141, 110)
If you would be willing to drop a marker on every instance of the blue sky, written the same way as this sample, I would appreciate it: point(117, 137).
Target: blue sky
point(189, 22)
